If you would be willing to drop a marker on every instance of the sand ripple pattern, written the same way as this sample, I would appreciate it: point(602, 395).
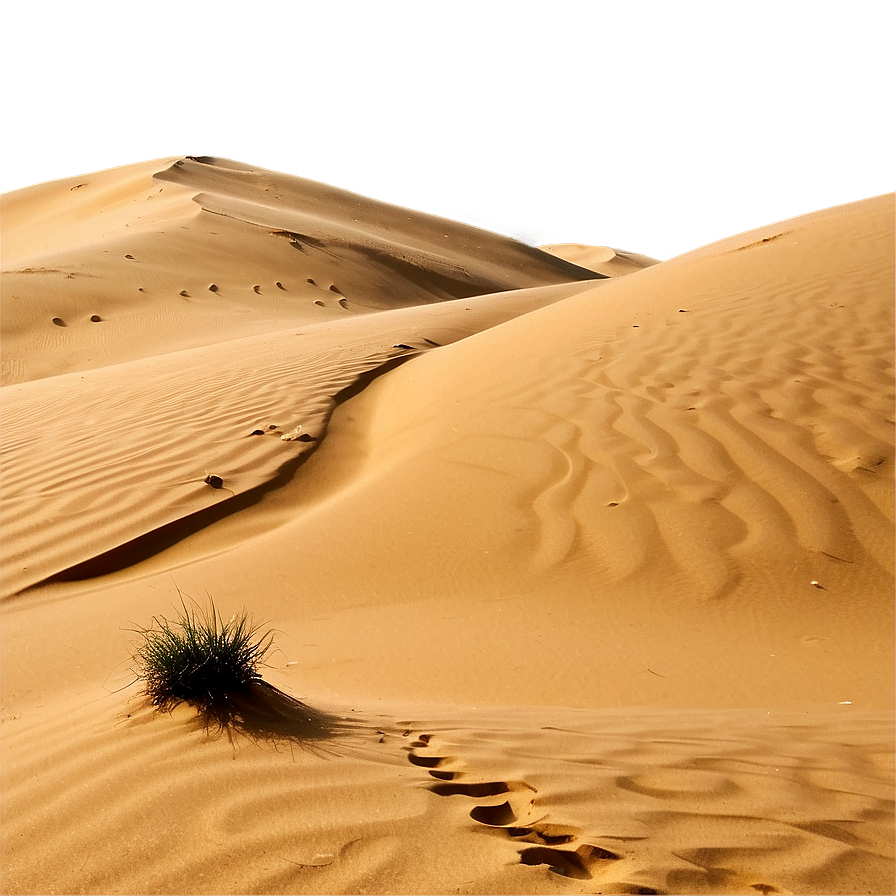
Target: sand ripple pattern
point(141, 452)
point(549, 800)
point(760, 418)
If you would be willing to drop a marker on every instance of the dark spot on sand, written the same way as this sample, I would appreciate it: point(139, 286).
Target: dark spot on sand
point(335, 288)
point(130, 256)
point(184, 293)
point(319, 302)
point(213, 287)
point(95, 318)
point(59, 322)
point(279, 285)
point(257, 288)
point(214, 481)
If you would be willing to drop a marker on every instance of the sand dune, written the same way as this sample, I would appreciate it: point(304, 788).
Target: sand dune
point(180, 253)
point(612, 262)
point(199, 360)
point(593, 553)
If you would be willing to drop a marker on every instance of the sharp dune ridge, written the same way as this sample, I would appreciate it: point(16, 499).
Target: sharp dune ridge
point(586, 558)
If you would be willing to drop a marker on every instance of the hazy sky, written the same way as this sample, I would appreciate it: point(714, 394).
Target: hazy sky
point(650, 126)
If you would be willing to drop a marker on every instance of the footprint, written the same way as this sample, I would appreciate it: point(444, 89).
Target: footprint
point(426, 761)
point(568, 863)
point(475, 790)
point(494, 816)
point(548, 834)
point(504, 818)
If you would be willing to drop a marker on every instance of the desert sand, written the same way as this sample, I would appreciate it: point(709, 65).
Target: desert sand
point(590, 554)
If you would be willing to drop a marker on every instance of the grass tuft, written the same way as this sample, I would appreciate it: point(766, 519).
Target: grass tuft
point(198, 658)
point(213, 665)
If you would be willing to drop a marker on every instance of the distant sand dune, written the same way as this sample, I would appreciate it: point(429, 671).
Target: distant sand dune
point(612, 262)
point(140, 245)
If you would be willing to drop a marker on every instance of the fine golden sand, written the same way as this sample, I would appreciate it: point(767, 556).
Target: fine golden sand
point(591, 555)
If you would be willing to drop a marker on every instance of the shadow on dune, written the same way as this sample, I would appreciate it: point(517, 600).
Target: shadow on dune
point(263, 713)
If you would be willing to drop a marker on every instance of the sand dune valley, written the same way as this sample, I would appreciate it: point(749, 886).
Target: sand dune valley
point(587, 558)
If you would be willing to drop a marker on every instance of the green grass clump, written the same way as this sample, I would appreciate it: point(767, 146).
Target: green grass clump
point(198, 658)
point(213, 665)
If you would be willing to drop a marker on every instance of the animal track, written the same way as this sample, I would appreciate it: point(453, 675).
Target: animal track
point(578, 863)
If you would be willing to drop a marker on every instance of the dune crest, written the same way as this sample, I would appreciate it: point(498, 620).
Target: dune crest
point(150, 251)
point(612, 262)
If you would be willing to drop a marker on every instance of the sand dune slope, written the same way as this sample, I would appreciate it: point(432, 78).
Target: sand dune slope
point(745, 394)
point(550, 801)
point(161, 386)
point(178, 253)
point(125, 473)
point(620, 482)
